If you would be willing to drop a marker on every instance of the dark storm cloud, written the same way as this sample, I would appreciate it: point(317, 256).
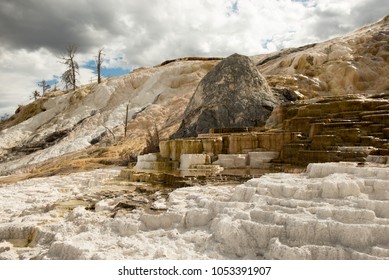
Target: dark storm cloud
point(334, 19)
point(150, 31)
point(146, 32)
point(54, 24)
point(327, 25)
point(369, 11)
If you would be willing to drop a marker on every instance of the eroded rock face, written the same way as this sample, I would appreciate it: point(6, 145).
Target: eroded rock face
point(354, 63)
point(233, 94)
point(342, 128)
point(156, 98)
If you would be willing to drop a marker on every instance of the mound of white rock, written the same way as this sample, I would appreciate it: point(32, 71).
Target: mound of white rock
point(333, 211)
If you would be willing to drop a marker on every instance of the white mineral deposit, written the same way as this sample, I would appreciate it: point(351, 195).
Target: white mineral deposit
point(80, 179)
point(333, 211)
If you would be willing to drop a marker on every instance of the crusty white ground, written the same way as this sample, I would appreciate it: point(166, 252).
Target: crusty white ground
point(95, 109)
point(321, 214)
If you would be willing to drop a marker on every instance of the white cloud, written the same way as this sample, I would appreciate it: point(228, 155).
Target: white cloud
point(148, 32)
point(20, 72)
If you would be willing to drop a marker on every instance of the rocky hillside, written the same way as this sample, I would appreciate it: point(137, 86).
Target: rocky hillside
point(355, 63)
point(88, 124)
point(84, 129)
point(323, 102)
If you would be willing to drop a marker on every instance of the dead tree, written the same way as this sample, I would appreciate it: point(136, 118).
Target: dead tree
point(35, 95)
point(55, 87)
point(69, 76)
point(44, 85)
point(99, 61)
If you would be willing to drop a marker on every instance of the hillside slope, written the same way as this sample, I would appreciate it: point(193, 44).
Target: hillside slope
point(95, 114)
point(333, 210)
point(355, 63)
point(84, 129)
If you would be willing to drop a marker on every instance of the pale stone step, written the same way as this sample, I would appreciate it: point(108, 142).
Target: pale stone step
point(150, 157)
point(378, 159)
point(232, 160)
point(156, 165)
point(359, 149)
point(206, 167)
point(188, 160)
point(257, 159)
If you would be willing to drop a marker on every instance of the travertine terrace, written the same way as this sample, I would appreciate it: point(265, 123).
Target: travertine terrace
point(333, 211)
point(144, 195)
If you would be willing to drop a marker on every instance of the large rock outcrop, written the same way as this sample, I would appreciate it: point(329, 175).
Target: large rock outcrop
point(356, 63)
point(232, 94)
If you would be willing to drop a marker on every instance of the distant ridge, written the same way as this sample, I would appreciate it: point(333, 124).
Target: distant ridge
point(190, 58)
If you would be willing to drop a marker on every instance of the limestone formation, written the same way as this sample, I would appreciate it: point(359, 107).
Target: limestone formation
point(355, 63)
point(343, 128)
point(332, 210)
point(233, 94)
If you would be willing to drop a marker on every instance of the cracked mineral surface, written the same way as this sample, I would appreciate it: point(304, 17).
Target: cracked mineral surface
point(332, 211)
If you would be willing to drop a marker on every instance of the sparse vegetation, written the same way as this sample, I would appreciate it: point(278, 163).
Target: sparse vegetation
point(128, 158)
point(35, 95)
point(44, 85)
point(69, 76)
point(81, 93)
point(24, 112)
point(152, 141)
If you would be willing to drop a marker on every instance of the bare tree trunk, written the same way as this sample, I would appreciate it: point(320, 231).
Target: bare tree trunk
point(35, 95)
point(43, 84)
point(126, 122)
point(71, 51)
point(69, 76)
point(99, 61)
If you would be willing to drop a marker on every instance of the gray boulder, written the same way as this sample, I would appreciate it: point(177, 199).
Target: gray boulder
point(232, 95)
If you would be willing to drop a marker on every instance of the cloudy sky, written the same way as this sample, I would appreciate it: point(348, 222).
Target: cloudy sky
point(33, 33)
